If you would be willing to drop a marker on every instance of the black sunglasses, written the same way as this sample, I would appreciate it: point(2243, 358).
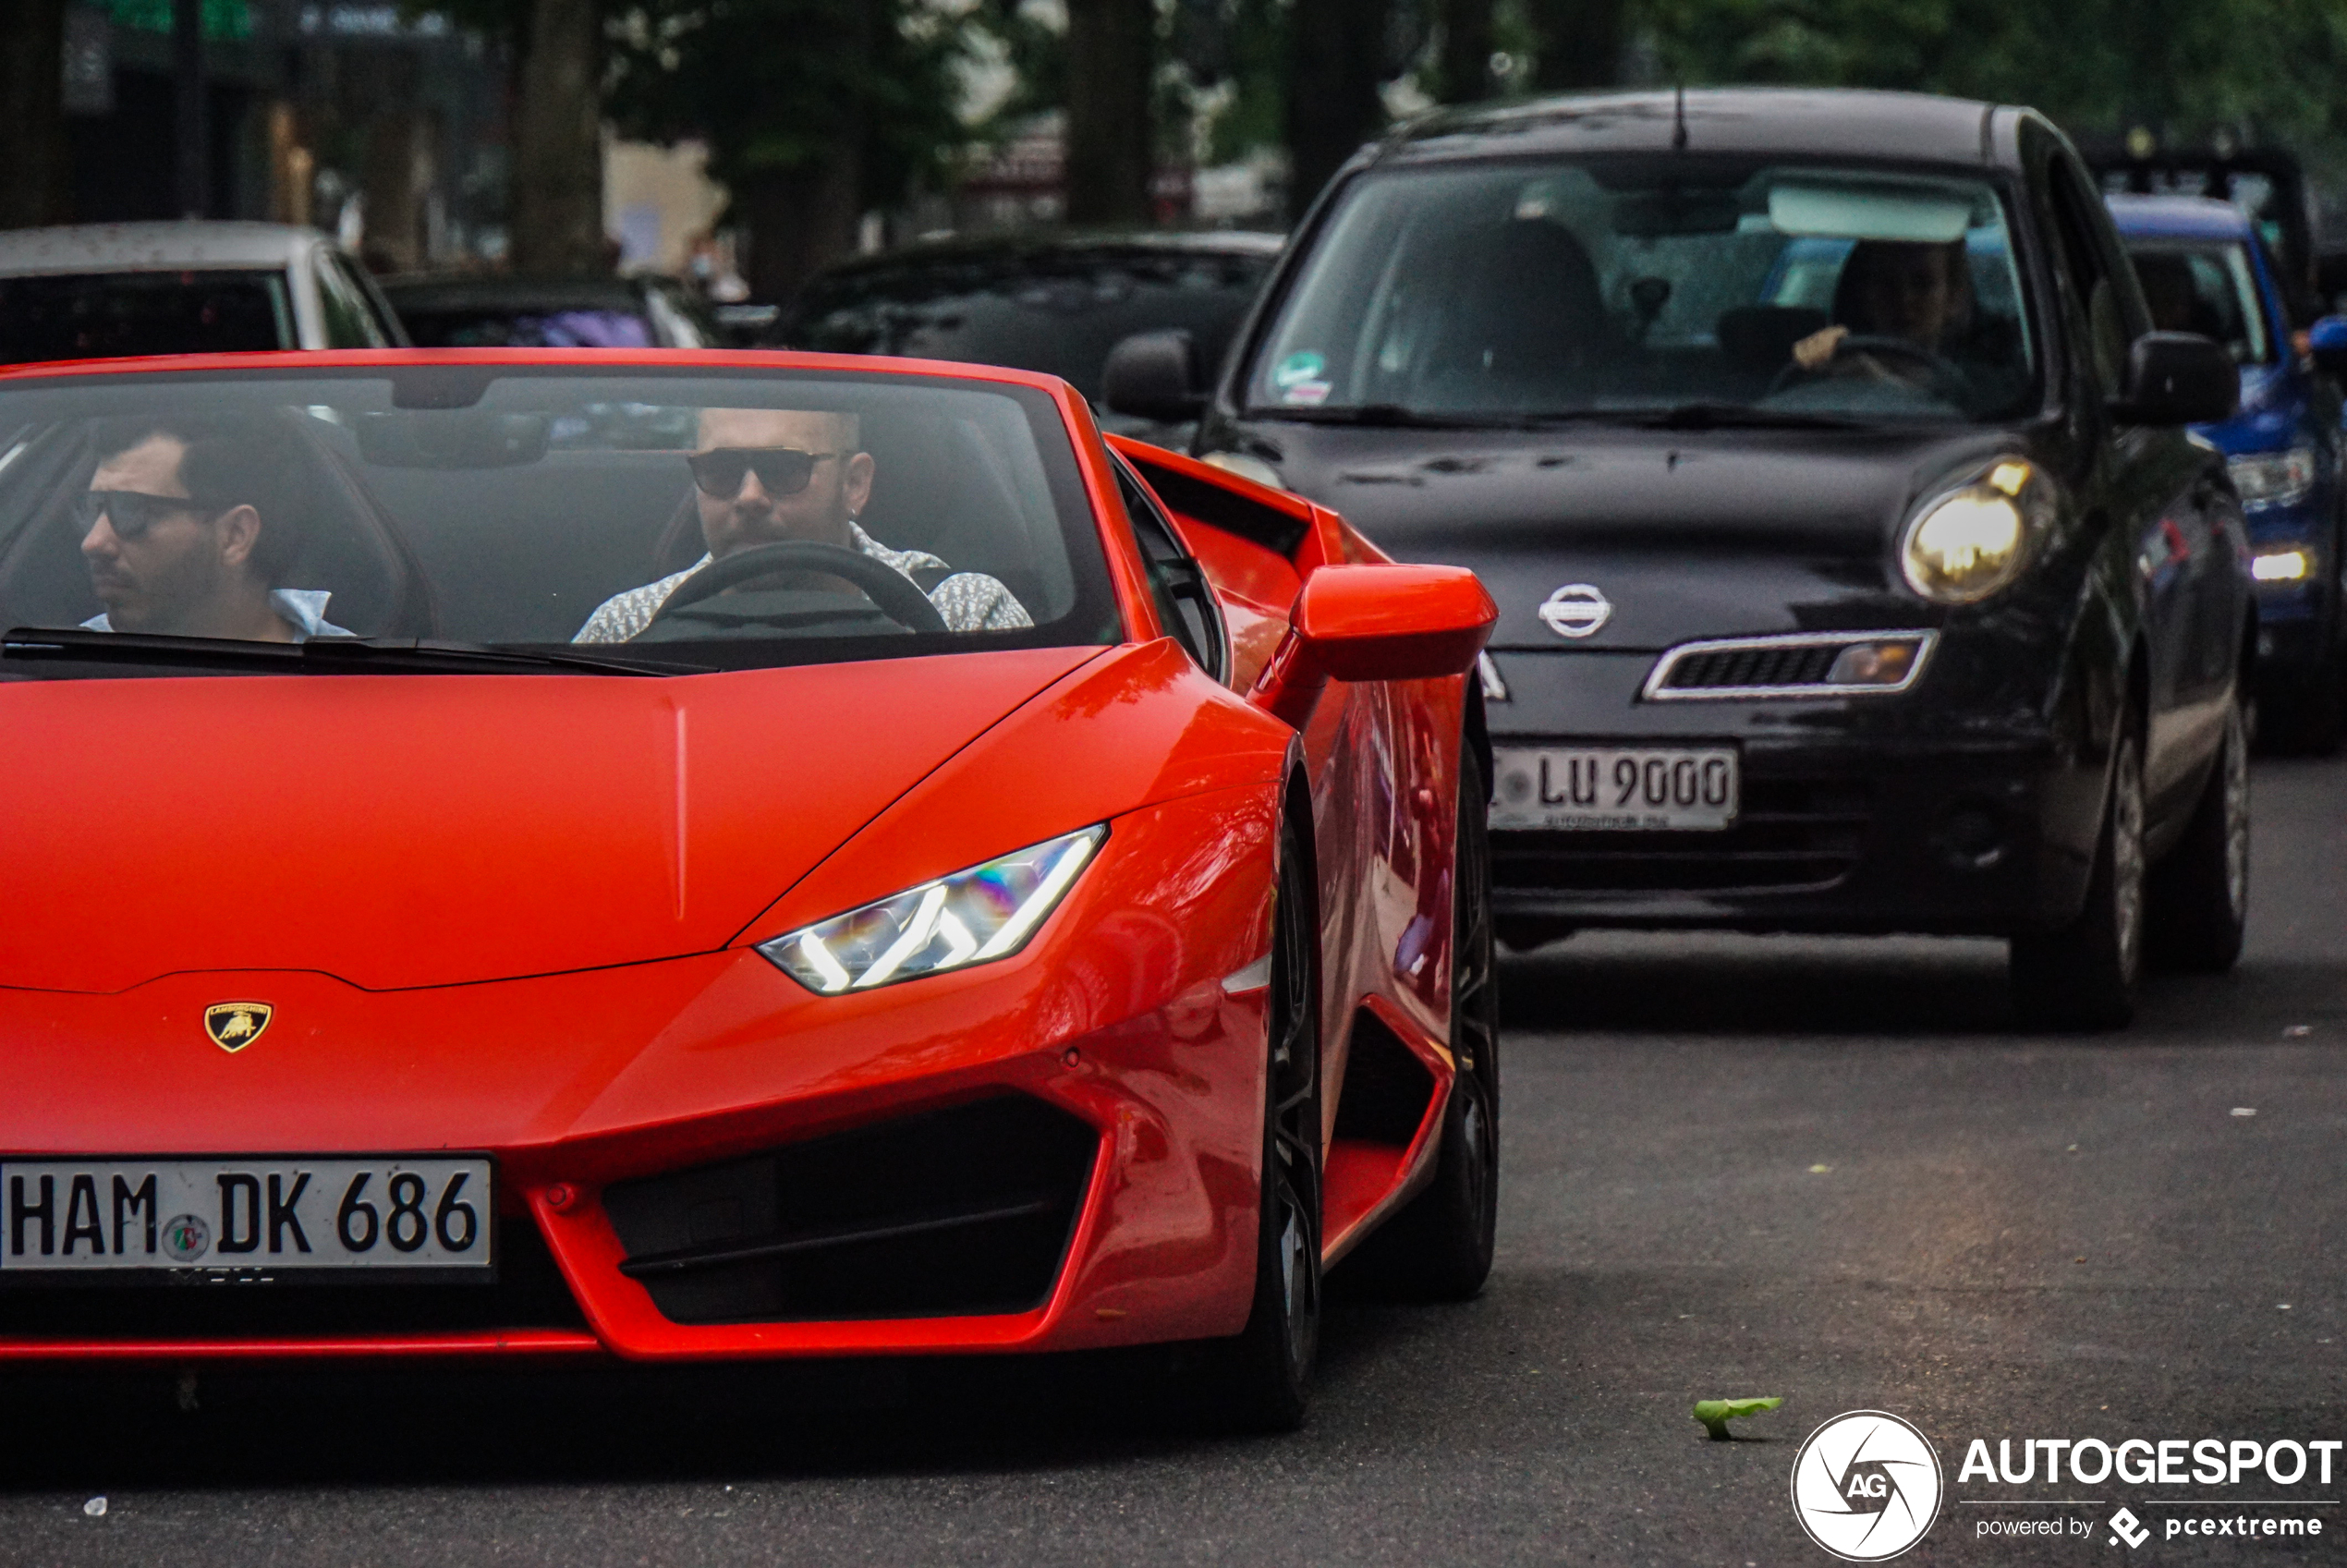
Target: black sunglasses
point(780, 470)
point(132, 512)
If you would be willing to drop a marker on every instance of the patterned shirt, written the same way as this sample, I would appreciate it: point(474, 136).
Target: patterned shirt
point(970, 601)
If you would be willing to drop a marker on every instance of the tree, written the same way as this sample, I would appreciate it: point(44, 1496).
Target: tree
point(1337, 57)
point(1577, 44)
point(1463, 68)
point(814, 111)
point(558, 144)
point(33, 187)
point(1110, 65)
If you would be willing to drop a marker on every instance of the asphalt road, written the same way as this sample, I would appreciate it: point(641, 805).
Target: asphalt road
point(1821, 1170)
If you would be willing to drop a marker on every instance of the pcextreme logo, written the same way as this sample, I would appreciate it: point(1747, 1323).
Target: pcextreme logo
point(1867, 1485)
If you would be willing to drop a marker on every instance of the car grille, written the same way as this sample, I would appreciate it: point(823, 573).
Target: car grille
point(1798, 665)
point(952, 1213)
point(1752, 666)
point(528, 1293)
point(1788, 834)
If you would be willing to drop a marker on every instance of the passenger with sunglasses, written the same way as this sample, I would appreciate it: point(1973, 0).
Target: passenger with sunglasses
point(767, 476)
point(188, 528)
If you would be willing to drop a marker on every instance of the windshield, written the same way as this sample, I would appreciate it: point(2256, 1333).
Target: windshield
point(1653, 283)
point(107, 315)
point(687, 521)
point(485, 328)
point(1059, 312)
point(2207, 287)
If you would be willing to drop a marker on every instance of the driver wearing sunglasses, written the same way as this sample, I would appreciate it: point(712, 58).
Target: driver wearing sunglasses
point(189, 526)
point(768, 476)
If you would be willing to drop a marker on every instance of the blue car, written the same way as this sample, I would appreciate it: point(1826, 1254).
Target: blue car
point(2204, 268)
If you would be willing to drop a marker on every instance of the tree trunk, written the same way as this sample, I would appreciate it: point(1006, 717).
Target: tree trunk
point(558, 146)
point(1464, 65)
point(800, 220)
point(1580, 43)
point(1332, 104)
point(33, 187)
point(1111, 54)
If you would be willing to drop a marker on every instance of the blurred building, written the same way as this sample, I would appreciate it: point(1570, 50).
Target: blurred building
point(386, 126)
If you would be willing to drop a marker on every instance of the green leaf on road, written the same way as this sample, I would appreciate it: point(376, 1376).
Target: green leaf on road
point(1715, 1414)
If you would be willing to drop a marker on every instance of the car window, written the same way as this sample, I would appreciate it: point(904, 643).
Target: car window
point(496, 326)
point(1057, 311)
point(350, 320)
point(2207, 287)
point(544, 509)
point(1185, 600)
point(2083, 260)
point(1558, 289)
point(104, 315)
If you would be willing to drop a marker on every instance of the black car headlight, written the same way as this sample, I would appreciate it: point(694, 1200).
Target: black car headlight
point(972, 917)
point(2273, 478)
point(1965, 544)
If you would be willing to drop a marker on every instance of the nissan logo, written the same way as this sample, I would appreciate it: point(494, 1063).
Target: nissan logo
point(1577, 610)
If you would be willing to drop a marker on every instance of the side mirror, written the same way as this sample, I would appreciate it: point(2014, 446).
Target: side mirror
point(1384, 623)
point(1154, 375)
point(2326, 345)
point(2178, 377)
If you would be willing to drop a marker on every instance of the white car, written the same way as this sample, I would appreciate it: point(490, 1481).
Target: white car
point(104, 290)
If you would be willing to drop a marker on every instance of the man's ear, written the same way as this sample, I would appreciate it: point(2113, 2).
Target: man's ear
point(237, 530)
point(856, 483)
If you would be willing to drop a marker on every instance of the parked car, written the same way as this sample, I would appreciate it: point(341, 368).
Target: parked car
point(1054, 303)
point(499, 311)
point(887, 880)
point(1905, 604)
point(2204, 268)
point(101, 291)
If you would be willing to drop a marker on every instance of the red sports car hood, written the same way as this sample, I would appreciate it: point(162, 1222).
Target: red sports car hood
point(419, 831)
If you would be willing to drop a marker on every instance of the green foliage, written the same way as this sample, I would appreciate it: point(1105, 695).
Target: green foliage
point(2182, 66)
point(771, 84)
point(1715, 1414)
point(222, 18)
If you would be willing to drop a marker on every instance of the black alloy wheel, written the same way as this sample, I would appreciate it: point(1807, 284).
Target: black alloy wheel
point(2083, 976)
point(2197, 901)
point(1265, 1373)
point(1440, 1247)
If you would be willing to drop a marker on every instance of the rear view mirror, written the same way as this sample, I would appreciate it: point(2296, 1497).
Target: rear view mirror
point(2326, 343)
point(1383, 622)
point(456, 438)
point(1154, 375)
point(2178, 378)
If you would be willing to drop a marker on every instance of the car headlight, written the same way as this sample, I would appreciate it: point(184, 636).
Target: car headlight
point(2282, 565)
point(2273, 478)
point(1968, 543)
point(973, 917)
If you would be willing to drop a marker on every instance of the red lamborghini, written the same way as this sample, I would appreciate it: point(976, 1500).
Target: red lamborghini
point(701, 856)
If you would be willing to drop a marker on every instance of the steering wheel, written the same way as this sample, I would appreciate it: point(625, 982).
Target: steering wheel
point(1947, 381)
point(893, 593)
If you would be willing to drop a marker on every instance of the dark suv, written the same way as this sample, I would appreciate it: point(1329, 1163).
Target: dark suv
point(1856, 570)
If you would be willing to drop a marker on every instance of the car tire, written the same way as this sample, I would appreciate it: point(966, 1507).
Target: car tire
point(2083, 976)
point(1439, 1248)
point(1261, 1380)
point(2197, 902)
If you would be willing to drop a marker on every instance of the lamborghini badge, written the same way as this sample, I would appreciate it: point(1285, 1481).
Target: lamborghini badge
point(235, 1025)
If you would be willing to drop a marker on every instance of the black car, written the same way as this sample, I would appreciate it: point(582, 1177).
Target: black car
point(1855, 571)
point(1053, 302)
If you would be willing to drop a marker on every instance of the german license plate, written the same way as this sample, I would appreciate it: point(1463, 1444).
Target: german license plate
point(267, 1214)
point(1616, 788)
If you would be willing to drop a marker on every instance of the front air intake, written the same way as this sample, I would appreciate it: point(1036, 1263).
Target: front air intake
point(952, 1213)
point(1803, 664)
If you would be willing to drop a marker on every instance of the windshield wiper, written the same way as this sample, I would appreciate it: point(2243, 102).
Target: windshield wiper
point(1717, 416)
point(1395, 416)
point(319, 656)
